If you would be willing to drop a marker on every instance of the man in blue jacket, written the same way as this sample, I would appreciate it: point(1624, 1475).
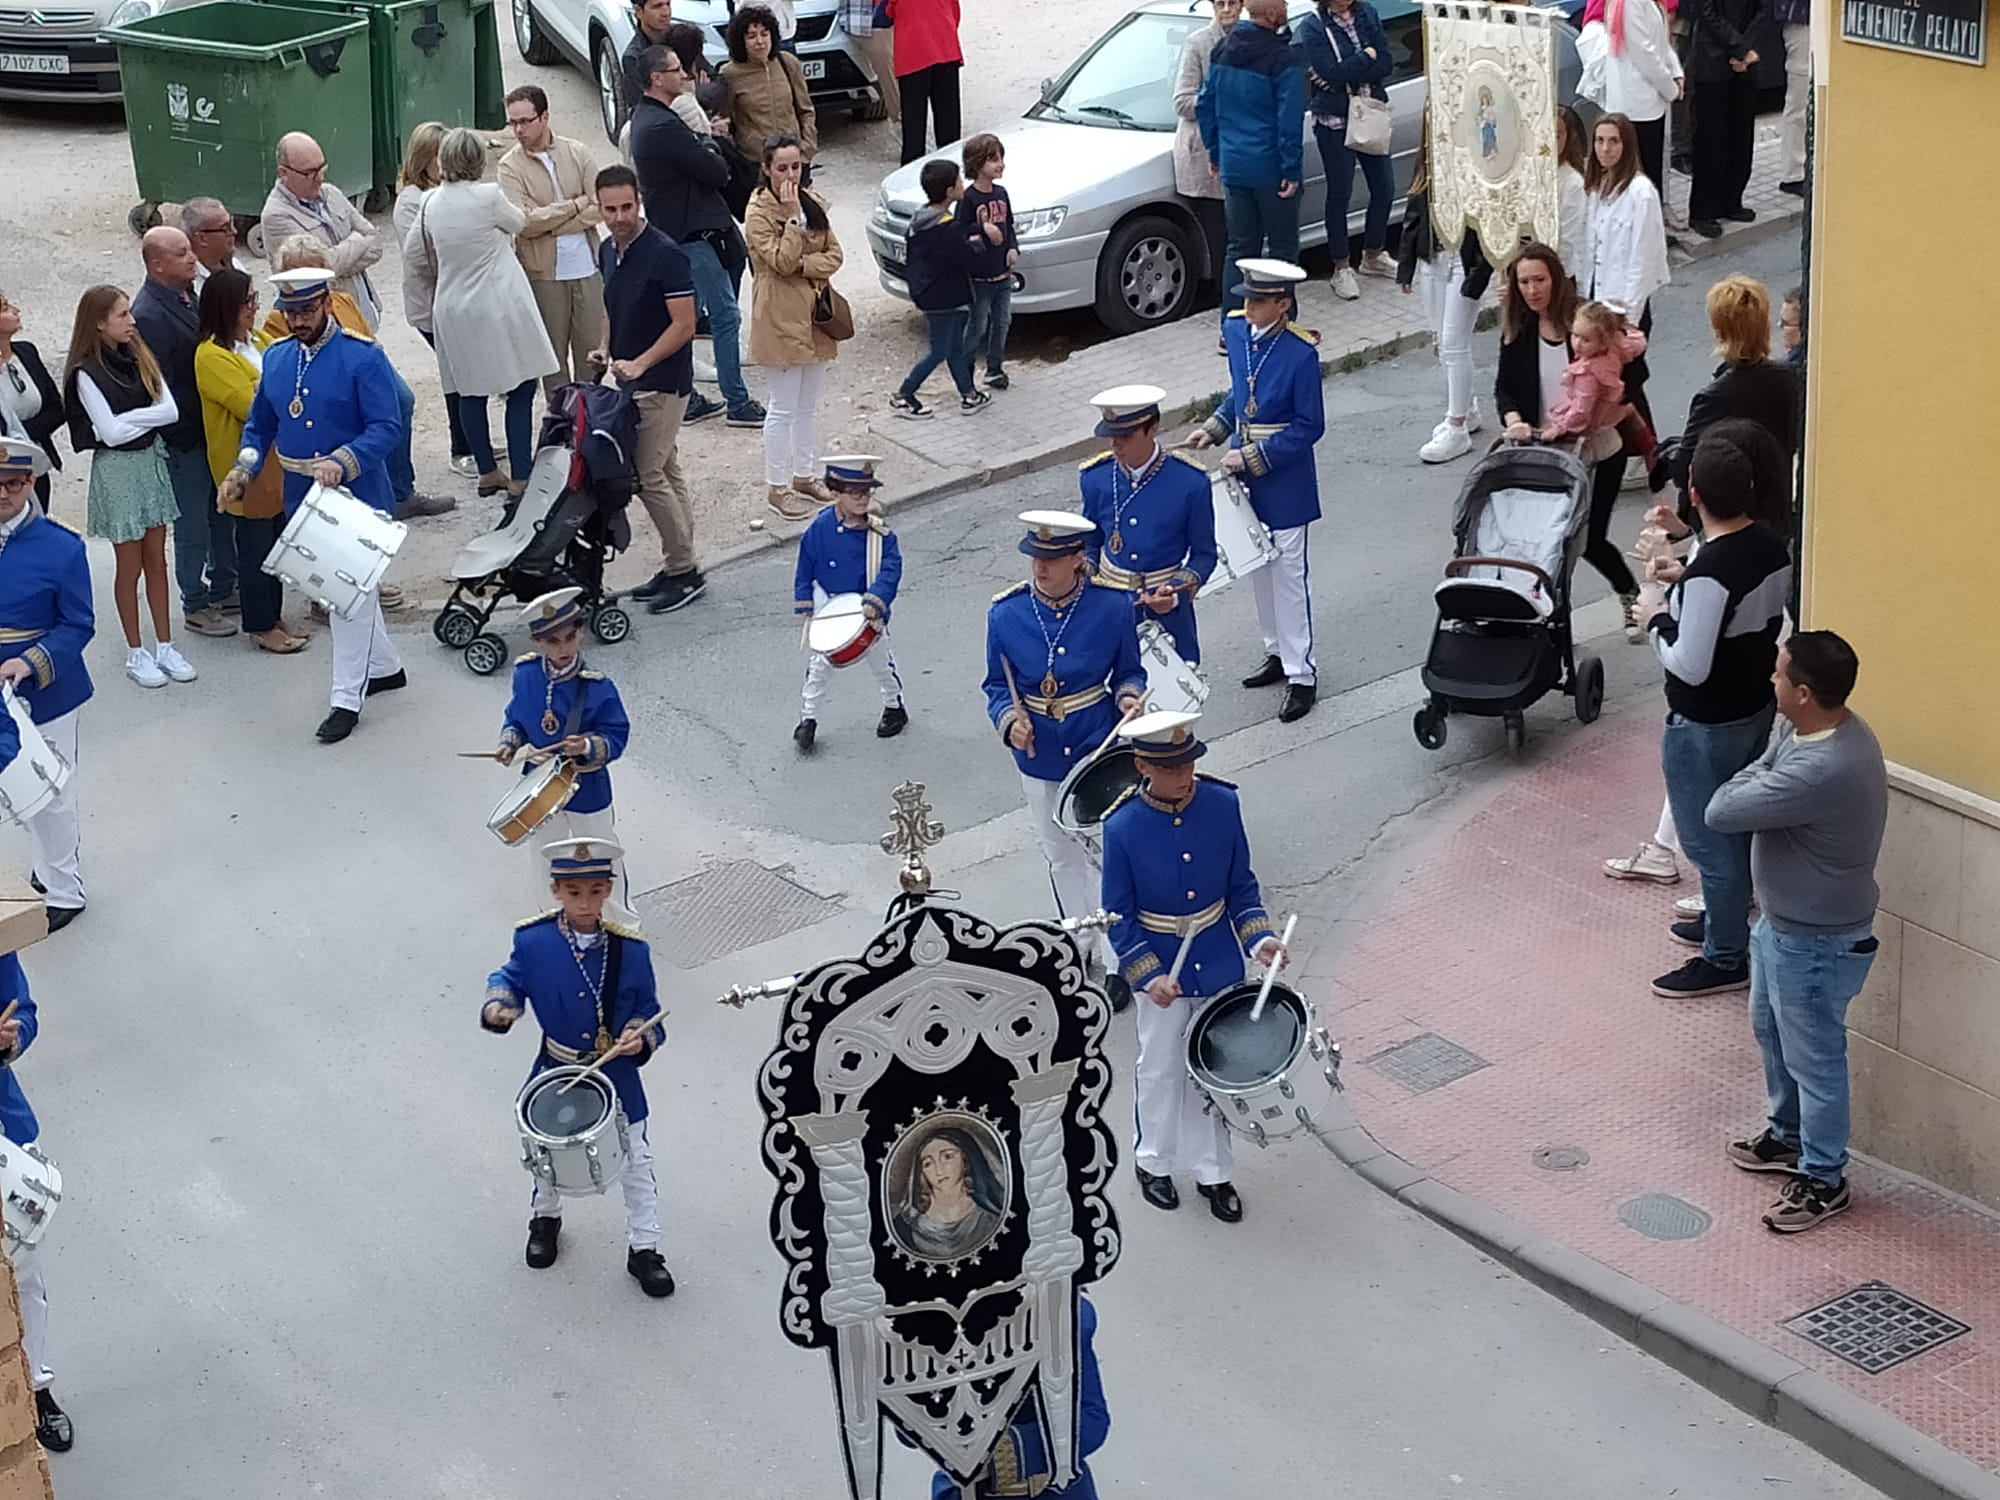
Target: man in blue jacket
point(1251, 111)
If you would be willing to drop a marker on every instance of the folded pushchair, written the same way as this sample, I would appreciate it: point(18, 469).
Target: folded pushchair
point(1503, 637)
point(563, 530)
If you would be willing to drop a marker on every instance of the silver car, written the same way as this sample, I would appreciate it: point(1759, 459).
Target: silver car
point(1090, 169)
point(50, 53)
point(592, 34)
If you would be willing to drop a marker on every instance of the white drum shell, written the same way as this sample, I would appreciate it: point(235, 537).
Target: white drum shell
point(30, 1191)
point(579, 1164)
point(1172, 686)
point(836, 624)
point(335, 549)
point(37, 773)
point(1287, 1103)
point(1242, 542)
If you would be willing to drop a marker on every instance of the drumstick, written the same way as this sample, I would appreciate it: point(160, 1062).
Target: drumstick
point(1123, 719)
point(1187, 942)
point(1271, 974)
point(1015, 693)
point(564, 1088)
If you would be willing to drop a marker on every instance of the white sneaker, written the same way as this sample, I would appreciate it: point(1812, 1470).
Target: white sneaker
point(1654, 862)
point(1690, 907)
point(1345, 287)
point(142, 669)
point(1378, 263)
point(465, 466)
point(1636, 475)
point(1473, 421)
point(174, 664)
point(1447, 443)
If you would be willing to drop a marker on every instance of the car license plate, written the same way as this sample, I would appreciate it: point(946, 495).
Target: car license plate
point(815, 67)
point(34, 62)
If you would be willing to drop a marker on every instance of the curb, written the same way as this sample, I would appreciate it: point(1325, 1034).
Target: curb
point(1697, 248)
point(1770, 1386)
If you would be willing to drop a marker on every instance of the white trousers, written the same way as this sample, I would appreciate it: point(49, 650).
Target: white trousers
point(791, 422)
point(1284, 606)
point(1451, 317)
point(1176, 1129)
point(58, 828)
point(34, 1317)
point(642, 1193)
point(878, 659)
point(575, 825)
point(361, 650)
point(1073, 876)
point(1798, 90)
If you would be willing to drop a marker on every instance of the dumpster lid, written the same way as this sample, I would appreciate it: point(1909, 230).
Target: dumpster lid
point(181, 30)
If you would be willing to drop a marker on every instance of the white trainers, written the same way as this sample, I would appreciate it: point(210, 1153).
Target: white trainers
point(1447, 443)
point(174, 664)
point(1690, 907)
point(1378, 263)
point(1345, 287)
point(142, 669)
point(1474, 421)
point(1654, 862)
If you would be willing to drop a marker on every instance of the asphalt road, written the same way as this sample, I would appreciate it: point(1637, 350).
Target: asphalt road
point(289, 1261)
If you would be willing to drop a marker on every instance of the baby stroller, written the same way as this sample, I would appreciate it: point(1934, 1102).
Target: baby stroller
point(1502, 637)
point(567, 525)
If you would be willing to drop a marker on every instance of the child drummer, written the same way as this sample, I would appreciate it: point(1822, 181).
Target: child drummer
point(590, 981)
point(559, 702)
point(849, 549)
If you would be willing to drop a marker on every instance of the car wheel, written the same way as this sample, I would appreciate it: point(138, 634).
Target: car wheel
point(535, 47)
point(610, 87)
point(1145, 276)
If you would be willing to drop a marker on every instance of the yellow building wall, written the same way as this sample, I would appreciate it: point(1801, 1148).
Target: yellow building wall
point(1902, 543)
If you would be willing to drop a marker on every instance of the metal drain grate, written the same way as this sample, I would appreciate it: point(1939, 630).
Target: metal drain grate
point(1875, 1327)
point(722, 910)
point(1662, 1216)
point(1425, 1062)
point(1561, 1158)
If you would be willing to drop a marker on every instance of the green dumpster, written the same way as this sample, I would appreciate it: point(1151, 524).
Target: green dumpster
point(209, 89)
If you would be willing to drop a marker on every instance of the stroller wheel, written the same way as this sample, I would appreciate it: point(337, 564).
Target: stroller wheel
point(1516, 729)
point(1429, 724)
point(611, 624)
point(486, 654)
point(1589, 689)
point(455, 627)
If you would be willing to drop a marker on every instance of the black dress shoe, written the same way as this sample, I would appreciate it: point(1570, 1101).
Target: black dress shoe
point(1272, 672)
point(337, 726)
point(803, 735)
point(36, 882)
point(1299, 700)
point(651, 586)
point(389, 684)
point(1742, 215)
point(1119, 992)
point(1222, 1201)
point(649, 1269)
point(895, 719)
point(1158, 1191)
point(53, 1429)
point(1708, 229)
point(61, 916)
point(1795, 186)
point(544, 1240)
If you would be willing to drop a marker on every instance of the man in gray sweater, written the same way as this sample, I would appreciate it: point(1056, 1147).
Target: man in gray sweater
point(1814, 804)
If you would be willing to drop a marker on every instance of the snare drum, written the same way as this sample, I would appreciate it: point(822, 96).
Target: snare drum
point(30, 1190)
point(37, 773)
point(335, 549)
point(1093, 789)
point(841, 631)
point(574, 1142)
point(1269, 1079)
point(1242, 542)
point(1172, 686)
point(540, 796)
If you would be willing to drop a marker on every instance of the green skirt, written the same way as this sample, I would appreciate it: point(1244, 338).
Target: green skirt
point(130, 493)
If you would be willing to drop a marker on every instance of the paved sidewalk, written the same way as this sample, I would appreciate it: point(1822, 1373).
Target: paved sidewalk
point(1592, 1120)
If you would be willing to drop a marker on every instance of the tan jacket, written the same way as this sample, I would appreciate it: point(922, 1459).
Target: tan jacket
point(767, 101)
point(352, 245)
point(790, 264)
point(526, 183)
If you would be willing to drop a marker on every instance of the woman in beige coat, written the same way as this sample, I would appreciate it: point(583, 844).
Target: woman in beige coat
point(1194, 174)
point(792, 254)
point(767, 87)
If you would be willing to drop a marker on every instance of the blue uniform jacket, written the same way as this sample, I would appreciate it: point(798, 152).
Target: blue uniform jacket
point(349, 411)
point(1023, 1444)
point(1277, 438)
point(46, 617)
point(543, 972)
point(17, 1120)
point(1161, 864)
point(1165, 533)
point(835, 556)
point(603, 723)
point(1251, 109)
point(1098, 648)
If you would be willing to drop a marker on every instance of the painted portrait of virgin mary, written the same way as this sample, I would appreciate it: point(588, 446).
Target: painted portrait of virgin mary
point(948, 1192)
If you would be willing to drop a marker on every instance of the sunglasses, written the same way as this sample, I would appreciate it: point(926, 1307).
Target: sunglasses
point(17, 380)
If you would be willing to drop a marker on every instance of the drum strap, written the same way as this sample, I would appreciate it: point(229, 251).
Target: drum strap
point(575, 705)
point(874, 565)
point(607, 997)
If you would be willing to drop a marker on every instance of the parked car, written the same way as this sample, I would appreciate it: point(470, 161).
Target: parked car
point(591, 34)
point(50, 54)
point(1091, 171)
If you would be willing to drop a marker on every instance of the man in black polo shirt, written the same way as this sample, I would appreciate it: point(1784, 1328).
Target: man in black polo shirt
point(648, 323)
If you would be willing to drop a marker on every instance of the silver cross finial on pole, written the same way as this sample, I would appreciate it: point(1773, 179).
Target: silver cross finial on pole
point(912, 831)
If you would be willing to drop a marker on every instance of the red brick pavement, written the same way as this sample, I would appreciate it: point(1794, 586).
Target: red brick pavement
point(1510, 942)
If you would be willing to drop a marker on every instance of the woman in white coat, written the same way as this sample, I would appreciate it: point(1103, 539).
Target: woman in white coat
point(489, 333)
point(1631, 69)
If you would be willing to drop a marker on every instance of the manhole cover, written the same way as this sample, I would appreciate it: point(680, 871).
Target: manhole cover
point(1662, 1216)
point(1875, 1327)
point(1560, 1158)
point(1425, 1062)
point(730, 907)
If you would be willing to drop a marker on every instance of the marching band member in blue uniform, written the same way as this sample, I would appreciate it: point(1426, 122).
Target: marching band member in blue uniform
point(1154, 512)
point(327, 399)
point(1062, 669)
point(1273, 416)
point(46, 620)
point(1177, 861)
point(1019, 1463)
point(590, 982)
point(558, 701)
point(848, 549)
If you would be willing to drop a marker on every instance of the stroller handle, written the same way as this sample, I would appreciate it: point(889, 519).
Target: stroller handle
point(1458, 567)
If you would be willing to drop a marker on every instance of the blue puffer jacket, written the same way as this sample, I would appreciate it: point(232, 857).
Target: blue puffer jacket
point(1251, 108)
point(1337, 66)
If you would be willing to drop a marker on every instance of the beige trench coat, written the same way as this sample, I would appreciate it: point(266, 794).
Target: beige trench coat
point(790, 264)
point(1193, 176)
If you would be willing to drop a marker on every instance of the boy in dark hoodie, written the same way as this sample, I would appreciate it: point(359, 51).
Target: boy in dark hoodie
point(941, 252)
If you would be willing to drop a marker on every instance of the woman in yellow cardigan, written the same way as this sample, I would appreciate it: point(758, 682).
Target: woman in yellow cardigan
point(227, 364)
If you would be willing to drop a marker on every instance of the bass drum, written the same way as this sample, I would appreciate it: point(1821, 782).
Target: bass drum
point(1093, 789)
point(335, 549)
point(1267, 1078)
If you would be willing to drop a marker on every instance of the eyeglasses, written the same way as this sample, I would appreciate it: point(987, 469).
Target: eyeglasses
point(13, 484)
point(16, 379)
point(225, 228)
point(514, 123)
point(318, 169)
